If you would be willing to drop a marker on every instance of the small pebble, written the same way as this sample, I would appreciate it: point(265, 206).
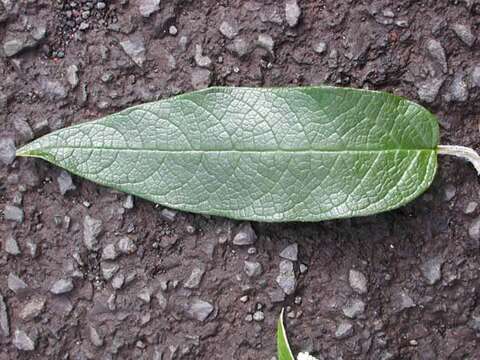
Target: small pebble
point(358, 281)
point(292, 12)
point(252, 269)
point(126, 245)
point(11, 246)
point(245, 235)
point(62, 286)
point(258, 316)
point(13, 213)
point(290, 252)
point(320, 47)
point(22, 341)
point(344, 330)
point(464, 33)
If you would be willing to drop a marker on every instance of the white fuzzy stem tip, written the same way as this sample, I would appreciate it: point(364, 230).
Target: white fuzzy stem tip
point(463, 152)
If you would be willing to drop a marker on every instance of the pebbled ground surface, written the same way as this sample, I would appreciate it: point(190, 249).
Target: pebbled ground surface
point(85, 273)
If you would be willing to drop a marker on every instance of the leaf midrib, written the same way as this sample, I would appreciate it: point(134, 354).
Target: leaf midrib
point(272, 151)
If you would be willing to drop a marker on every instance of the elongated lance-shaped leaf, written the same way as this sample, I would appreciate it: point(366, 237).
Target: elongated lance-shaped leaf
point(283, 347)
point(281, 154)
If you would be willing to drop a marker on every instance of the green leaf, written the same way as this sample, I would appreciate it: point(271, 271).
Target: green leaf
point(283, 347)
point(282, 154)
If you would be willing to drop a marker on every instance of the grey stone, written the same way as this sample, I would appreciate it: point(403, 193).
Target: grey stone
point(22, 341)
point(201, 78)
point(354, 308)
point(245, 235)
point(14, 46)
point(13, 213)
point(290, 252)
point(437, 53)
point(428, 90)
point(199, 309)
point(109, 252)
point(450, 192)
point(432, 270)
point(92, 228)
point(24, 131)
point(276, 295)
point(168, 214)
point(32, 309)
point(252, 268)
point(471, 207)
point(7, 150)
point(148, 7)
point(108, 270)
point(72, 76)
point(118, 281)
point(459, 89)
point(134, 47)
point(95, 337)
point(195, 277)
point(17, 285)
point(162, 300)
point(258, 316)
point(229, 29)
point(344, 330)
point(475, 76)
point(286, 278)
point(464, 33)
point(292, 12)
point(320, 47)
point(239, 47)
point(128, 203)
point(65, 182)
point(11, 246)
point(401, 300)
point(303, 268)
point(53, 89)
point(62, 286)
point(172, 30)
point(357, 281)
point(4, 321)
point(266, 41)
point(474, 229)
point(200, 59)
point(145, 295)
point(126, 245)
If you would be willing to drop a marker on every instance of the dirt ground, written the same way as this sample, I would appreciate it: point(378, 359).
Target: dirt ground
point(87, 274)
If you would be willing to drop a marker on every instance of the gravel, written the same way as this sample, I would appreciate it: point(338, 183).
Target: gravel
point(432, 270)
point(475, 76)
point(95, 337)
point(108, 270)
point(23, 129)
point(11, 246)
point(459, 89)
point(22, 341)
point(7, 151)
point(13, 213)
point(258, 316)
point(245, 235)
point(344, 330)
point(229, 29)
point(428, 90)
point(65, 182)
point(201, 78)
point(290, 252)
point(148, 7)
point(195, 277)
point(474, 229)
point(320, 47)
point(33, 308)
point(286, 278)
point(118, 281)
point(17, 285)
point(239, 47)
point(126, 245)
point(252, 268)
point(354, 308)
point(134, 47)
point(292, 12)
point(92, 228)
point(128, 203)
point(62, 286)
point(109, 252)
point(266, 42)
point(437, 53)
point(357, 281)
point(4, 322)
point(72, 76)
point(464, 33)
point(401, 300)
point(200, 59)
point(199, 309)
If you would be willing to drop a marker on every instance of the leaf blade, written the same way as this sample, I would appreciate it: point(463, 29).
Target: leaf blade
point(283, 347)
point(244, 153)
